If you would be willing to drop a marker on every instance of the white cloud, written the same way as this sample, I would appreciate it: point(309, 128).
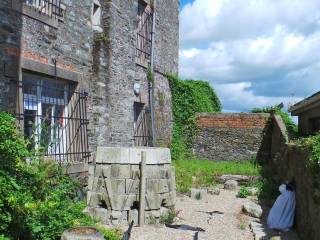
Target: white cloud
point(265, 49)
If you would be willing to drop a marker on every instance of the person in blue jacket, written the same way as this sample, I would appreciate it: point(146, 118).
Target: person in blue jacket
point(281, 215)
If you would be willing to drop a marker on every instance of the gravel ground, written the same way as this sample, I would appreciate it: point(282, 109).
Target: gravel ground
point(231, 225)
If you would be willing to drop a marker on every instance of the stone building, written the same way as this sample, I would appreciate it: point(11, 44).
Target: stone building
point(75, 72)
point(308, 112)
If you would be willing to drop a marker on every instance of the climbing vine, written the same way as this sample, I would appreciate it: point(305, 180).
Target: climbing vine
point(291, 126)
point(188, 98)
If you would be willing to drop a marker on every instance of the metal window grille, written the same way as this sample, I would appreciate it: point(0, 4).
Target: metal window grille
point(142, 135)
point(144, 33)
point(55, 119)
point(51, 8)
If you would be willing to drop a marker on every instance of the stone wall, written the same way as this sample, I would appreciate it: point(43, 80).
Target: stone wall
point(289, 162)
point(103, 64)
point(120, 71)
point(114, 184)
point(226, 137)
point(10, 44)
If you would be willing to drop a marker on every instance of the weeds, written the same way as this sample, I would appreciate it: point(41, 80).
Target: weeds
point(168, 217)
point(244, 192)
point(205, 170)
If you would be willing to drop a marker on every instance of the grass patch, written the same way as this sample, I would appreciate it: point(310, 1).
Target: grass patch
point(204, 171)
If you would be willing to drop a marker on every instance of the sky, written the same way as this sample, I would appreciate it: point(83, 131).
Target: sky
point(254, 53)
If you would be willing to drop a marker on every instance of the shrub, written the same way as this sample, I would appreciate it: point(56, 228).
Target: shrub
point(313, 145)
point(168, 217)
point(12, 146)
point(243, 192)
point(188, 98)
point(110, 234)
point(37, 200)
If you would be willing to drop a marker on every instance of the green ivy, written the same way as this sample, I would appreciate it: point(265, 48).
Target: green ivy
point(188, 98)
point(291, 126)
point(312, 143)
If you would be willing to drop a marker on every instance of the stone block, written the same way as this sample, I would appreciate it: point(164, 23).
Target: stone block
point(132, 186)
point(125, 155)
point(106, 171)
point(90, 182)
point(153, 171)
point(116, 186)
point(91, 169)
point(153, 185)
point(93, 198)
point(112, 155)
point(164, 185)
point(122, 202)
point(120, 171)
point(151, 217)
point(252, 209)
point(133, 216)
point(231, 185)
point(168, 199)
point(116, 217)
point(153, 201)
point(154, 156)
point(198, 193)
point(99, 214)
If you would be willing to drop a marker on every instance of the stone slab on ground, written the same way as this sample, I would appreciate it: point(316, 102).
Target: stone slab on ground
point(258, 230)
point(239, 178)
point(252, 209)
point(231, 185)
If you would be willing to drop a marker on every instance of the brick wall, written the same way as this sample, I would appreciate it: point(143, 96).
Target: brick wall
point(235, 136)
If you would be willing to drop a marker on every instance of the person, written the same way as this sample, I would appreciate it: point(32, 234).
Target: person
point(281, 215)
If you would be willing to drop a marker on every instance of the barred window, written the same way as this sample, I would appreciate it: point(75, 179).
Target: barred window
point(144, 33)
point(49, 12)
point(51, 8)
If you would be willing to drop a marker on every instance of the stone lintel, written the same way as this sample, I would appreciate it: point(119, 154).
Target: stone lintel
point(50, 70)
point(127, 155)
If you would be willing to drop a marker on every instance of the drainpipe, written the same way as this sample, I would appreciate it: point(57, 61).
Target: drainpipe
point(151, 85)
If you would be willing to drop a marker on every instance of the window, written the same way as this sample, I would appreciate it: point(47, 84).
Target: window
point(144, 33)
point(142, 135)
point(46, 11)
point(96, 16)
point(54, 118)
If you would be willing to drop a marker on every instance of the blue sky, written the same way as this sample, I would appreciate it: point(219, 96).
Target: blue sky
point(255, 52)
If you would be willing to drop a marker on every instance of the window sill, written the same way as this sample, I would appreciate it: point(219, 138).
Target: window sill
point(35, 14)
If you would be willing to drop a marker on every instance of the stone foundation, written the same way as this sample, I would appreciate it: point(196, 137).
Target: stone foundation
point(114, 184)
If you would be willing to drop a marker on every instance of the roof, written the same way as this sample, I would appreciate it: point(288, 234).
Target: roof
point(306, 104)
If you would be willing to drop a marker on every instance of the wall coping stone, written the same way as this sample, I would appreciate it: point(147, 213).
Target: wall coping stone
point(236, 115)
point(132, 155)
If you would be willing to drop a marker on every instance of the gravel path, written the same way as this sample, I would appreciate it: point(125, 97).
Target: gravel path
point(231, 225)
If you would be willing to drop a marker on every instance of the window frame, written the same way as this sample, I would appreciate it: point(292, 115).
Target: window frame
point(29, 9)
point(144, 33)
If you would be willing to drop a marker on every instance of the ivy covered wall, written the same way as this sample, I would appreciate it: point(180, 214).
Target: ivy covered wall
point(188, 98)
